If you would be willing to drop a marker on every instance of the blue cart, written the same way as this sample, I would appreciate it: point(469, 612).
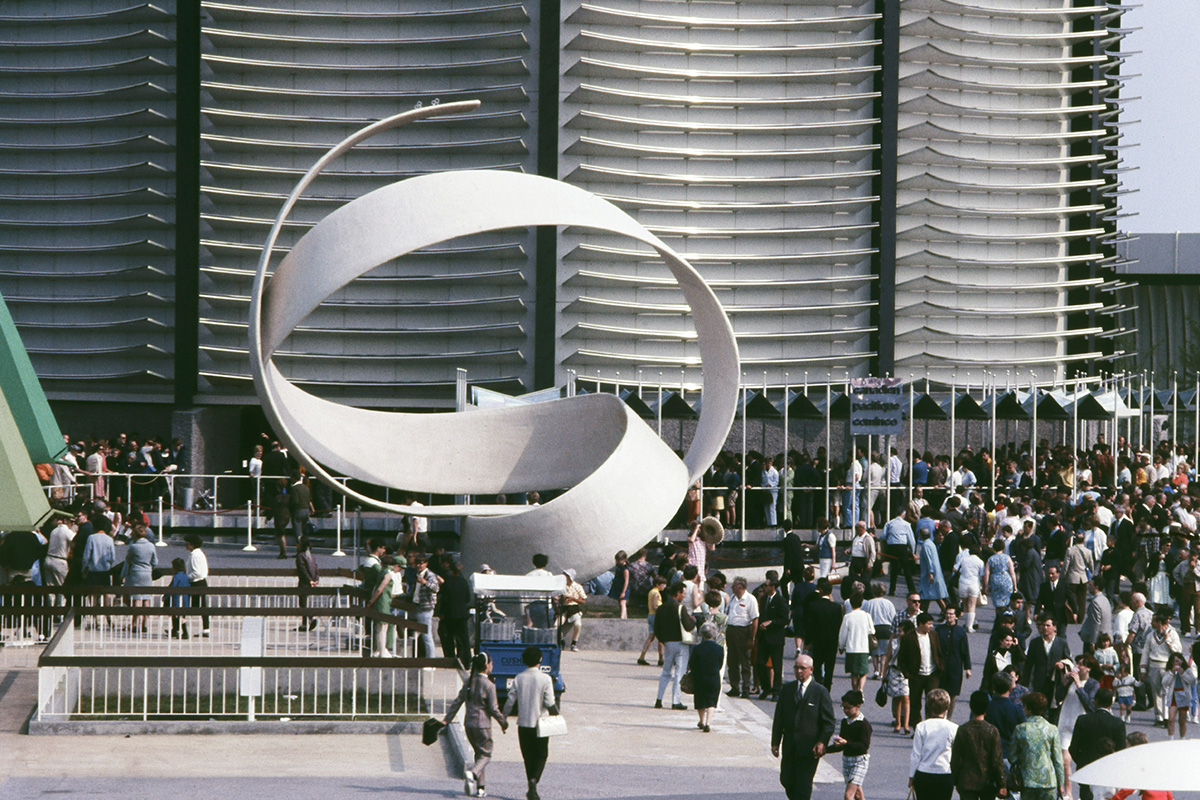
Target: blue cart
point(513, 612)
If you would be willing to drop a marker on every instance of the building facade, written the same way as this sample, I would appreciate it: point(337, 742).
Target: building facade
point(925, 189)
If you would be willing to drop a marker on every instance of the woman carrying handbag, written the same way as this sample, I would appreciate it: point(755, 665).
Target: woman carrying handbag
point(532, 692)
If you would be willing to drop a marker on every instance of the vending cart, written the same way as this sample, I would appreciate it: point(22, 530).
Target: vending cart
point(513, 612)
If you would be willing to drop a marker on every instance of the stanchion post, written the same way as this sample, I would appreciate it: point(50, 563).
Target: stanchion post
point(160, 542)
point(338, 552)
point(250, 548)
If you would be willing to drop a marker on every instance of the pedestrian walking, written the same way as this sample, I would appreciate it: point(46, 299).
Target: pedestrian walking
point(479, 696)
point(853, 741)
point(532, 692)
point(802, 726)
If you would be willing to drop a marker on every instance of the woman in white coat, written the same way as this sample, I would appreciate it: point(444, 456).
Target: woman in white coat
point(532, 692)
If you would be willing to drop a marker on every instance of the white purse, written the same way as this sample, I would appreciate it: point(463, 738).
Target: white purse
point(551, 726)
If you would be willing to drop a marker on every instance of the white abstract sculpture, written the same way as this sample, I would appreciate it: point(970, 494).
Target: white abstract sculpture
point(624, 483)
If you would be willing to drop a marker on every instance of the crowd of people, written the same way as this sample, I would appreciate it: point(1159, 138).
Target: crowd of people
point(793, 485)
point(1090, 562)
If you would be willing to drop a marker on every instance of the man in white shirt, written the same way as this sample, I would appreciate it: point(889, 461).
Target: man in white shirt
point(742, 613)
point(55, 573)
point(770, 481)
point(854, 639)
point(854, 477)
point(962, 477)
point(197, 572)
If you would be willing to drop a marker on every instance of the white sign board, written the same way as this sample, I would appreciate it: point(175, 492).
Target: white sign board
point(254, 634)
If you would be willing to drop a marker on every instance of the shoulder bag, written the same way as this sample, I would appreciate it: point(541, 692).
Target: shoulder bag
point(685, 636)
point(687, 683)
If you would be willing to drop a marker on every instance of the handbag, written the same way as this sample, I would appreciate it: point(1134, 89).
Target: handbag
point(685, 636)
point(881, 697)
point(430, 731)
point(687, 684)
point(551, 726)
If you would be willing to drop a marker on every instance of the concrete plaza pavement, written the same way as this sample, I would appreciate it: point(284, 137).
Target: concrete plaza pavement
point(618, 746)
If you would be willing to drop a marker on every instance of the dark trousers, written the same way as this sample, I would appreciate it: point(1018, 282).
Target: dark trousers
point(796, 777)
point(899, 560)
point(201, 601)
point(928, 786)
point(918, 686)
point(772, 651)
point(534, 752)
point(966, 794)
point(455, 640)
point(824, 662)
point(738, 638)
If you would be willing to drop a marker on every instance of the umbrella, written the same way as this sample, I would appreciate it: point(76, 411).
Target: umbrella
point(1168, 766)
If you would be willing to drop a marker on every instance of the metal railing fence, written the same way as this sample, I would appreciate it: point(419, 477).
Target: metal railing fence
point(257, 663)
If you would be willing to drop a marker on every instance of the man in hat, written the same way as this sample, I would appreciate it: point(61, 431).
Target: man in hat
point(570, 611)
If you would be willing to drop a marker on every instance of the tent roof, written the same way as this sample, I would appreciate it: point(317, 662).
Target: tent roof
point(630, 396)
point(800, 407)
point(965, 407)
point(758, 406)
point(925, 407)
point(1047, 406)
point(673, 406)
point(1008, 406)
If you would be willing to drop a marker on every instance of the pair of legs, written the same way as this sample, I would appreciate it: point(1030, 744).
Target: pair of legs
point(535, 750)
point(384, 640)
point(139, 621)
point(900, 713)
point(1177, 714)
point(568, 632)
point(918, 687)
point(770, 680)
point(675, 663)
point(201, 601)
point(705, 715)
point(649, 641)
point(853, 792)
point(738, 639)
point(481, 744)
point(969, 601)
point(426, 647)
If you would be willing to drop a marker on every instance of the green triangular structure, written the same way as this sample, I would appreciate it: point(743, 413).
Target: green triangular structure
point(26, 401)
point(23, 504)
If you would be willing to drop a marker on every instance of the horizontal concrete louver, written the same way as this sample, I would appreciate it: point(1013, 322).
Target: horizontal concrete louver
point(1006, 186)
point(743, 135)
point(87, 170)
point(281, 85)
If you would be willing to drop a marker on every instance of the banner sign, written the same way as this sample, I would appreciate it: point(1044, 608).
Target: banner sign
point(876, 406)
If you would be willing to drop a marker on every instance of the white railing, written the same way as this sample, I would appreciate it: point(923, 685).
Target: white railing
point(251, 667)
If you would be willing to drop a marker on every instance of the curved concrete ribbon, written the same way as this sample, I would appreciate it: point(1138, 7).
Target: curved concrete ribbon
point(623, 482)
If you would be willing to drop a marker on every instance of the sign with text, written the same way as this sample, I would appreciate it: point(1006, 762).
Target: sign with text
point(876, 406)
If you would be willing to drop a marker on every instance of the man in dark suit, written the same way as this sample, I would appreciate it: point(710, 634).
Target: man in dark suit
point(1043, 663)
point(793, 559)
point(822, 624)
point(1054, 598)
point(772, 620)
point(1096, 734)
point(919, 657)
point(803, 724)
